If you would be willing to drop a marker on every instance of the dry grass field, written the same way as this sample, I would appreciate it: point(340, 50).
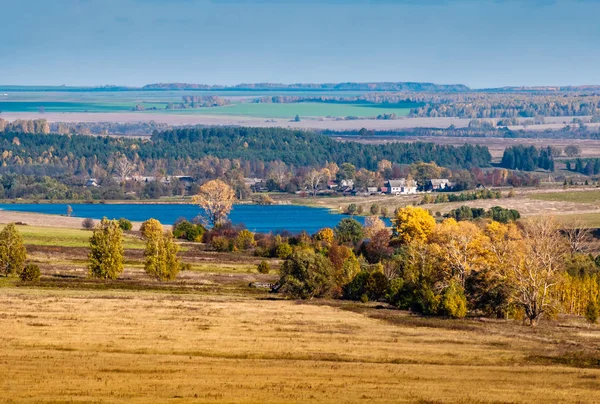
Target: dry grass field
point(209, 337)
point(529, 202)
point(140, 347)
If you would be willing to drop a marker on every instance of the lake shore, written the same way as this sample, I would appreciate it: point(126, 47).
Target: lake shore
point(45, 220)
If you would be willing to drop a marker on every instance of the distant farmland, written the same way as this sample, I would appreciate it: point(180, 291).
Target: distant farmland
point(308, 109)
point(240, 109)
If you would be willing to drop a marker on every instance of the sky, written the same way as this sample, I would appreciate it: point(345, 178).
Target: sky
point(480, 43)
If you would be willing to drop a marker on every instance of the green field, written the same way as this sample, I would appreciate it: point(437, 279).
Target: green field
point(15, 99)
point(47, 236)
point(305, 109)
point(239, 109)
point(54, 106)
point(569, 196)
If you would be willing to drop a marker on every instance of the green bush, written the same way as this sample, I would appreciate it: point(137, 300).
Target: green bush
point(283, 251)
point(244, 240)
point(30, 273)
point(263, 267)
point(355, 290)
point(222, 244)
point(185, 230)
point(592, 312)
point(454, 302)
point(372, 286)
point(306, 275)
point(125, 224)
point(377, 286)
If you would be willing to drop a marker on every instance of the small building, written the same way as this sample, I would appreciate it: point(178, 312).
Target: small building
point(439, 184)
point(401, 187)
point(250, 182)
point(92, 182)
point(347, 184)
point(372, 190)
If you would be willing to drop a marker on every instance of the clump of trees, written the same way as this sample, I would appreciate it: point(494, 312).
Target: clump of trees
point(496, 213)
point(528, 158)
point(495, 266)
point(185, 230)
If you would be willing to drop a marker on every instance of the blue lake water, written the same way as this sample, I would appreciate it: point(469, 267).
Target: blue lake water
point(258, 218)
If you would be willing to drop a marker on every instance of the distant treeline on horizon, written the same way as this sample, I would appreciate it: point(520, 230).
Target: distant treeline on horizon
point(347, 86)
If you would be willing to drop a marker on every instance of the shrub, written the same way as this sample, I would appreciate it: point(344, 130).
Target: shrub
point(377, 286)
point(221, 244)
point(88, 223)
point(30, 273)
point(263, 267)
point(372, 286)
point(283, 251)
point(125, 224)
point(306, 275)
point(244, 240)
point(454, 302)
point(184, 230)
point(592, 312)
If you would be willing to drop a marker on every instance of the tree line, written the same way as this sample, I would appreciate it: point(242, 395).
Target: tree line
point(528, 269)
point(528, 158)
point(299, 148)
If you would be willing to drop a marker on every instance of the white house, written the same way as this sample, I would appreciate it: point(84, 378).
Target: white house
point(401, 187)
point(440, 184)
point(92, 182)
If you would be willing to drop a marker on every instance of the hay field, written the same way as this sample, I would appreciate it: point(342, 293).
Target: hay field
point(141, 347)
point(209, 337)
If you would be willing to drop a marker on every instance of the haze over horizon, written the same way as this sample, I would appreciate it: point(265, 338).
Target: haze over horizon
point(481, 44)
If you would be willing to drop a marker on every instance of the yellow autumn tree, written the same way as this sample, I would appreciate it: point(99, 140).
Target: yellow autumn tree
point(326, 235)
point(106, 250)
point(372, 226)
point(216, 199)
point(413, 225)
point(535, 275)
point(462, 248)
point(161, 252)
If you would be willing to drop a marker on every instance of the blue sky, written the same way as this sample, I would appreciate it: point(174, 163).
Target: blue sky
point(134, 42)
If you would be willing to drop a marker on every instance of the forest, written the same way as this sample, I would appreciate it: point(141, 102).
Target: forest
point(292, 147)
point(528, 158)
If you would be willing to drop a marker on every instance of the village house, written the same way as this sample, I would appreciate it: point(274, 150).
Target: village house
point(401, 186)
point(92, 182)
point(347, 184)
point(441, 184)
point(256, 184)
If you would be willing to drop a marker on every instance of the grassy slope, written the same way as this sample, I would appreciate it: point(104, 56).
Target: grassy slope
point(98, 346)
point(48, 236)
point(208, 337)
point(569, 196)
